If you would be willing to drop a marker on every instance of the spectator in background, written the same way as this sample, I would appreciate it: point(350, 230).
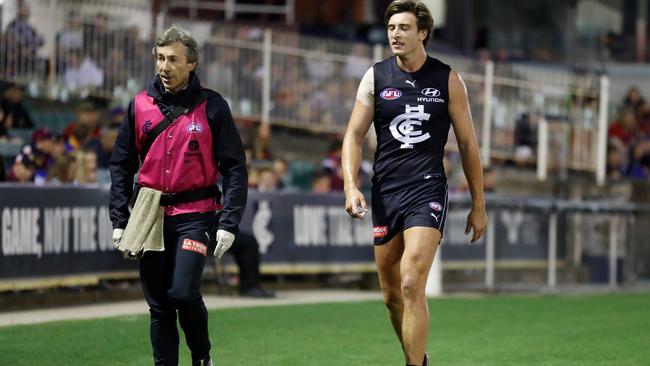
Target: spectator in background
point(320, 182)
point(24, 38)
point(249, 152)
point(624, 129)
point(15, 113)
point(643, 120)
point(22, 170)
point(253, 177)
point(108, 136)
point(57, 147)
point(246, 251)
point(525, 132)
point(86, 167)
point(70, 41)
point(262, 146)
point(332, 165)
point(281, 169)
point(47, 147)
point(117, 117)
point(97, 38)
point(115, 70)
point(638, 153)
point(86, 114)
point(318, 68)
point(633, 98)
point(81, 76)
point(63, 170)
point(71, 37)
point(41, 145)
point(489, 179)
point(357, 62)
point(615, 161)
point(222, 71)
point(81, 137)
point(267, 180)
point(645, 165)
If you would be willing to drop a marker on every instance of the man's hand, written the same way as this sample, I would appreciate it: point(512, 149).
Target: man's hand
point(355, 204)
point(476, 220)
point(117, 236)
point(224, 242)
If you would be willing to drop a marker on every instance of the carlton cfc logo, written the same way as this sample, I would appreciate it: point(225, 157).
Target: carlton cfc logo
point(146, 127)
point(390, 94)
point(406, 127)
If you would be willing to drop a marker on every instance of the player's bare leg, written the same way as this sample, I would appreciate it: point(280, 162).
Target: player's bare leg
point(387, 258)
point(420, 247)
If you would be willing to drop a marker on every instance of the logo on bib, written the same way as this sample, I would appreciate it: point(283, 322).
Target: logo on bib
point(403, 127)
point(194, 128)
point(146, 127)
point(193, 145)
point(390, 94)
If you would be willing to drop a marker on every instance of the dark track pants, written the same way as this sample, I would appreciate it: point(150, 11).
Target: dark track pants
point(171, 282)
point(246, 251)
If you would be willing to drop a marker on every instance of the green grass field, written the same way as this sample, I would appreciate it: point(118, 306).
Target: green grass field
point(500, 330)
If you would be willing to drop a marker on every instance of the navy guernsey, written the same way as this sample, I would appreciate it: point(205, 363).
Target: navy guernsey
point(411, 121)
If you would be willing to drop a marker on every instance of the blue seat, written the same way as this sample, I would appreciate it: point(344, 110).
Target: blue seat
point(300, 174)
point(8, 149)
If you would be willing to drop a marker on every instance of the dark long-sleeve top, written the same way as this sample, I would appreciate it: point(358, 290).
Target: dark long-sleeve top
point(228, 154)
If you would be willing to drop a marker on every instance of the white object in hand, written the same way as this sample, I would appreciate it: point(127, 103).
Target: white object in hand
point(361, 211)
point(117, 236)
point(224, 242)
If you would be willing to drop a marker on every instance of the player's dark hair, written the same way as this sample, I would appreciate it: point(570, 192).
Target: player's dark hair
point(417, 8)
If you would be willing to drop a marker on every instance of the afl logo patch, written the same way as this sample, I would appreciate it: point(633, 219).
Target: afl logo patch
point(194, 128)
point(431, 92)
point(435, 206)
point(390, 94)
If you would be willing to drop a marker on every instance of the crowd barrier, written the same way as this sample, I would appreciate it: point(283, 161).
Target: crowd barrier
point(49, 233)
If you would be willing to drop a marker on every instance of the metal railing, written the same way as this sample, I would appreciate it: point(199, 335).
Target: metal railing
point(232, 7)
point(558, 228)
point(549, 118)
point(542, 117)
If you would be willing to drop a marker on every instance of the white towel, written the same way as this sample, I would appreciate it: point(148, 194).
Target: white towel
point(144, 231)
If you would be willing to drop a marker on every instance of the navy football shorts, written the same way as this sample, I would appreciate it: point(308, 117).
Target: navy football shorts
point(424, 204)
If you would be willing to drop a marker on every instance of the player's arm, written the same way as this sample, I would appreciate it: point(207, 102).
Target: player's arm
point(360, 121)
point(461, 119)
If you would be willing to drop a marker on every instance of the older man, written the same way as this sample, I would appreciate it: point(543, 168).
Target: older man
point(180, 137)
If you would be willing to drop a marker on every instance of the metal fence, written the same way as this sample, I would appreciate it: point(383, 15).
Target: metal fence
point(551, 118)
point(543, 117)
point(595, 235)
point(91, 54)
